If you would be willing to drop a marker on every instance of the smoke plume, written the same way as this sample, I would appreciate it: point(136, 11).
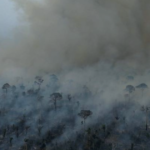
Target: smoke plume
point(98, 51)
point(54, 35)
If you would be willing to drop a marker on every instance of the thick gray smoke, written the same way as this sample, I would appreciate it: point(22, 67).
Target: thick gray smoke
point(99, 51)
point(60, 34)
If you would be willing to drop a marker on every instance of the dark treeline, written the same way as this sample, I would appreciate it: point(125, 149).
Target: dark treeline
point(42, 117)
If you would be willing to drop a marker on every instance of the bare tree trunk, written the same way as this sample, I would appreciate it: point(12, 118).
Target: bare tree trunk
point(84, 125)
point(132, 146)
point(55, 104)
point(146, 120)
point(26, 146)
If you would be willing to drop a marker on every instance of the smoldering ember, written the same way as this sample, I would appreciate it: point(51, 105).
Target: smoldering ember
point(75, 75)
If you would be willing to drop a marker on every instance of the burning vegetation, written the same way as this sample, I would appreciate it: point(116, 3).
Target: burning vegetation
point(98, 95)
point(45, 117)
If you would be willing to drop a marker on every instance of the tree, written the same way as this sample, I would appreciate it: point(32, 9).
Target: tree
point(10, 140)
point(26, 144)
point(5, 87)
point(40, 127)
point(27, 128)
point(30, 92)
point(146, 109)
point(104, 128)
point(4, 133)
point(39, 81)
point(54, 97)
point(43, 146)
point(132, 146)
point(142, 86)
point(130, 88)
point(85, 114)
point(69, 97)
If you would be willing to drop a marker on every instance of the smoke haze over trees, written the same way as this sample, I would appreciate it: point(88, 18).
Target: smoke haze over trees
point(74, 75)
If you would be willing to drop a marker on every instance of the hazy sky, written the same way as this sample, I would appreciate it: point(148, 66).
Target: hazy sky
point(8, 17)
